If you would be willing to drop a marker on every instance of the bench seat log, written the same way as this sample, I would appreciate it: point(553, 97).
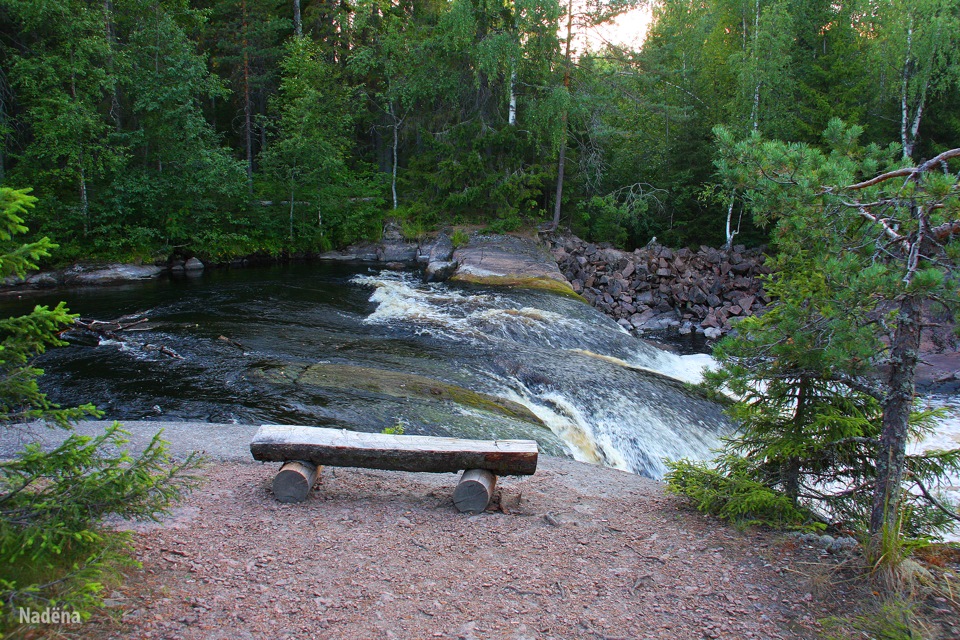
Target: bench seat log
point(343, 448)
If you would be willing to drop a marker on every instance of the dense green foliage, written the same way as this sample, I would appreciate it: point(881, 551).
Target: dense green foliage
point(211, 127)
point(24, 337)
point(54, 550)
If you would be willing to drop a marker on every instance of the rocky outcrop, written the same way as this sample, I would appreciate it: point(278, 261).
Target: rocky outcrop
point(87, 275)
point(508, 261)
point(353, 253)
point(193, 264)
point(656, 288)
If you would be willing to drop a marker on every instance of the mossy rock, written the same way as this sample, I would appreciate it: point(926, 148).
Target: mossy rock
point(370, 399)
point(518, 282)
point(405, 385)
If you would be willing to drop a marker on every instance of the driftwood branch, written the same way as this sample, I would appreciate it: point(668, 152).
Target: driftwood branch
point(112, 331)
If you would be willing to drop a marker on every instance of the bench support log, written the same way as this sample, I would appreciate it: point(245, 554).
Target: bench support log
point(294, 481)
point(474, 491)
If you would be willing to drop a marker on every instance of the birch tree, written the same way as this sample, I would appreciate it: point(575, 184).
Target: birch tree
point(765, 83)
point(328, 201)
point(915, 52)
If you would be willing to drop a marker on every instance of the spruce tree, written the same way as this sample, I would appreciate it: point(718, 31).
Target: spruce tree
point(54, 549)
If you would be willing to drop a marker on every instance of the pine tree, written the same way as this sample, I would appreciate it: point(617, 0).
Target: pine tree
point(872, 244)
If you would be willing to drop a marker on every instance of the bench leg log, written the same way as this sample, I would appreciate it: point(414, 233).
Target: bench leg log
point(474, 491)
point(294, 481)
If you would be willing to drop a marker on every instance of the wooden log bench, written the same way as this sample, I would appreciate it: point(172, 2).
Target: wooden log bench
point(303, 450)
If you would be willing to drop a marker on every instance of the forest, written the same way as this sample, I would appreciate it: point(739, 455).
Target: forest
point(226, 128)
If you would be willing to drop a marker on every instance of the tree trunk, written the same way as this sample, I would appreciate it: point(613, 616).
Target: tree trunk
point(297, 24)
point(513, 97)
point(915, 127)
point(3, 128)
point(561, 160)
point(755, 110)
point(84, 199)
point(393, 179)
point(108, 28)
point(247, 116)
point(905, 141)
point(292, 200)
point(891, 458)
point(730, 232)
point(790, 468)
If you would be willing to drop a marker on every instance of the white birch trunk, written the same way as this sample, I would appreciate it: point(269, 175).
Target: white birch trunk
point(393, 181)
point(905, 140)
point(915, 128)
point(513, 97)
point(730, 232)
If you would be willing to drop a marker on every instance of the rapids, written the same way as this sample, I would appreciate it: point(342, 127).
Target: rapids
point(367, 349)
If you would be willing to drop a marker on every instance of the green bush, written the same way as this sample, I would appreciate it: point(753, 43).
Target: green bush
point(732, 494)
point(459, 238)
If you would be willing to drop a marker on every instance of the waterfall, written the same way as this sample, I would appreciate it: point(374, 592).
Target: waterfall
point(613, 399)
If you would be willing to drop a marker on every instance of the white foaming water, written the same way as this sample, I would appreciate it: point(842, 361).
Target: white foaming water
point(571, 366)
point(946, 436)
point(567, 422)
point(587, 397)
point(433, 309)
point(686, 368)
point(601, 430)
point(438, 310)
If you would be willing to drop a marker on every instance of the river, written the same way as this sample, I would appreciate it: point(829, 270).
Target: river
point(368, 349)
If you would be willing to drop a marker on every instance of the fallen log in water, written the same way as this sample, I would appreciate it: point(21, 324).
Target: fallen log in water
point(112, 330)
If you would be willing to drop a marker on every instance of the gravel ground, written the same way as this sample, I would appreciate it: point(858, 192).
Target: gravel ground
point(575, 551)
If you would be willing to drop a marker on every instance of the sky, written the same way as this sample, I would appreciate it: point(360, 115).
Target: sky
point(626, 31)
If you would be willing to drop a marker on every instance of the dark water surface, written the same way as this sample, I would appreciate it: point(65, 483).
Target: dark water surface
point(367, 349)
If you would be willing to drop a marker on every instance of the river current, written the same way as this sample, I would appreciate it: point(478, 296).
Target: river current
point(367, 349)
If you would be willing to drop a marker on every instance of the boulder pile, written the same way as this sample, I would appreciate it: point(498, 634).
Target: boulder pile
point(656, 288)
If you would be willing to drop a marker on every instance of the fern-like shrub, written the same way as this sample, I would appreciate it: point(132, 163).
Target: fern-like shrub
point(731, 493)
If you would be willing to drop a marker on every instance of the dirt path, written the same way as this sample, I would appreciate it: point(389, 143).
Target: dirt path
point(576, 551)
